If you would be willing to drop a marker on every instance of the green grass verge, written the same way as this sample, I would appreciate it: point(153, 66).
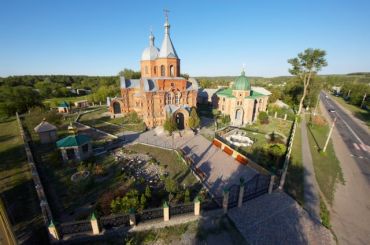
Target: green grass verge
point(16, 185)
point(170, 161)
point(295, 177)
point(361, 114)
point(101, 120)
point(324, 215)
point(327, 167)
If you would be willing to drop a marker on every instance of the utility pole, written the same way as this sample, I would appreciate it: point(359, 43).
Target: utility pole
point(329, 135)
point(363, 100)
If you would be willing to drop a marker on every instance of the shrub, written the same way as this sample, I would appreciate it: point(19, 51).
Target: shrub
point(263, 117)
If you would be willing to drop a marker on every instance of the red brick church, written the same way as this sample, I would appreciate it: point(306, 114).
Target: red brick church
point(161, 92)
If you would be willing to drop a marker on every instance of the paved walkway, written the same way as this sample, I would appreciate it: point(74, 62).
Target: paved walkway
point(278, 219)
point(311, 194)
point(220, 169)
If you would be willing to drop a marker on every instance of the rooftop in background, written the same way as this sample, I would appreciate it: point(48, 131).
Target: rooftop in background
point(44, 126)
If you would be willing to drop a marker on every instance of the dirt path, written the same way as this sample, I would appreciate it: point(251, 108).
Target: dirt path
point(350, 213)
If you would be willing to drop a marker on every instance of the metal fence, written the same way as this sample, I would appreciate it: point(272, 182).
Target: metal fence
point(181, 209)
point(255, 187)
point(211, 204)
point(69, 228)
point(109, 222)
point(148, 214)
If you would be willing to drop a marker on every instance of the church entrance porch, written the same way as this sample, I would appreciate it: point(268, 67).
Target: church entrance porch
point(116, 108)
point(179, 120)
point(239, 115)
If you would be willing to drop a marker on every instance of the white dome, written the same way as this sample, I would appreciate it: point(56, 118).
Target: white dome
point(150, 53)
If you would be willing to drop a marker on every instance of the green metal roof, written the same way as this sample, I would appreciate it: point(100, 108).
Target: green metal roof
point(73, 140)
point(242, 83)
point(228, 92)
point(254, 94)
point(63, 104)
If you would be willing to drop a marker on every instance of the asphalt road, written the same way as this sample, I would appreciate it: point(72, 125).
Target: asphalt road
point(354, 136)
point(350, 211)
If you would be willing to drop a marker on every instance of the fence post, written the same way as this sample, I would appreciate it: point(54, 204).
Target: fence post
point(241, 193)
point(271, 185)
point(196, 206)
point(53, 232)
point(166, 212)
point(94, 224)
point(225, 202)
point(275, 114)
point(285, 116)
point(132, 217)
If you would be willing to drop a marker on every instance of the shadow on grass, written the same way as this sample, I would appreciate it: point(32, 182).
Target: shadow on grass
point(314, 138)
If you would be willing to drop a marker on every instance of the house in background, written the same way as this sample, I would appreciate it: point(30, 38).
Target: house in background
point(47, 132)
point(81, 104)
point(75, 147)
point(63, 107)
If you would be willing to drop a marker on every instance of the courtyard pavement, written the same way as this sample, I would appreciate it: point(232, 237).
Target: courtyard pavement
point(277, 219)
point(220, 169)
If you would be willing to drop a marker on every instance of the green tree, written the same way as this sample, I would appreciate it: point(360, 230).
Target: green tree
point(148, 192)
point(130, 74)
point(170, 124)
point(305, 67)
point(143, 201)
point(194, 120)
point(18, 99)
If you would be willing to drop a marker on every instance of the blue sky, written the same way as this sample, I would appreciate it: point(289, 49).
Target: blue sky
point(211, 37)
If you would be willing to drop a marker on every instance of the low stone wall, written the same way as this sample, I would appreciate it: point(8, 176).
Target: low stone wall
point(228, 150)
point(45, 208)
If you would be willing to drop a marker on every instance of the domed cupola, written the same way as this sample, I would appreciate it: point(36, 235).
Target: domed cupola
point(242, 83)
point(151, 52)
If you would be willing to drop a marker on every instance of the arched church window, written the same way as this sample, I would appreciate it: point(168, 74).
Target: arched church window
point(163, 71)
point(177, 98)
point(146, 70)
point(155, 70)
point(169, 98)
point(172, 71)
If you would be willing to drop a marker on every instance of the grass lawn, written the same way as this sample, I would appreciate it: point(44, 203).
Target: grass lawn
point(101, 120)
point(295, 178)
point(275, 124)
point(16, 185)
point(361, 114)
point(327, 167)
point(170, 161)
point(68, 195)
